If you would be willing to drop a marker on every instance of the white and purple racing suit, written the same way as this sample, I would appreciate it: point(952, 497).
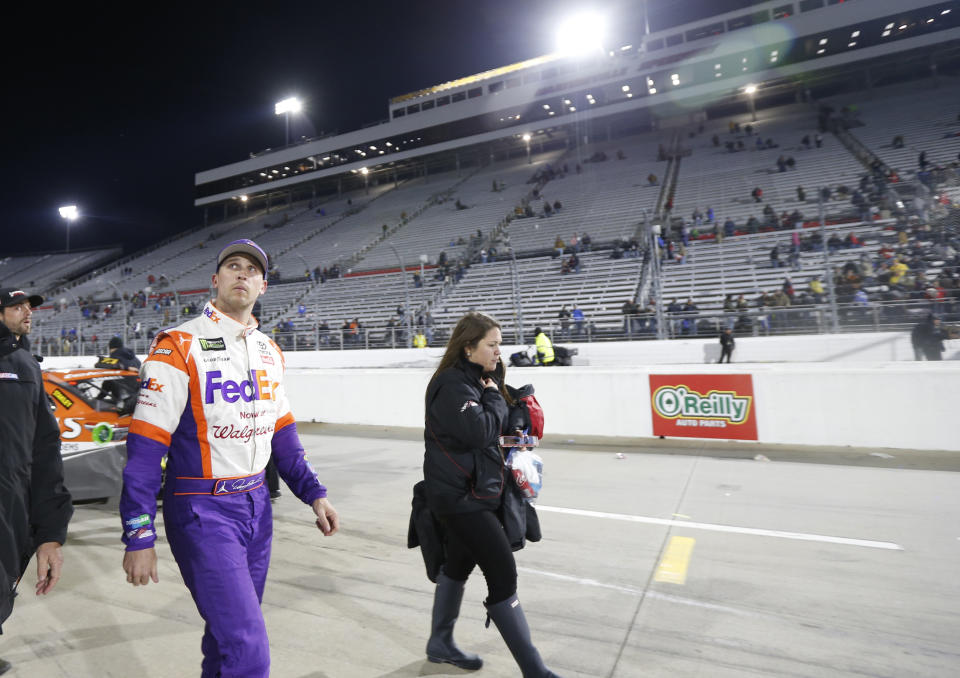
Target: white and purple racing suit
point(212, 400)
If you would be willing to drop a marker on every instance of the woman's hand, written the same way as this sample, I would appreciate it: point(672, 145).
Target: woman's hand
point(489, 383)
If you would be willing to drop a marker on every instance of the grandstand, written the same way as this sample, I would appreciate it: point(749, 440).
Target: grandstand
point(617, 147)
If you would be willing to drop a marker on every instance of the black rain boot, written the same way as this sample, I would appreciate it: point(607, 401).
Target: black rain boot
point(5, 666)
point(512, 624)
point(446, 609)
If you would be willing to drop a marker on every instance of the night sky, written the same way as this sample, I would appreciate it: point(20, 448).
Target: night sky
point(115, 108)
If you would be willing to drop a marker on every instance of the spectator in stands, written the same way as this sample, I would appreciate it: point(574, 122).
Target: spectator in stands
point(557, 206)
point(559, 246)
point(815, 285)
point(806, 141)
point(651, 179)
point(690, 312)
point(574, 243)
point(729, 228)
point(727, 344)
point(787, 287)
point(818, 139)
point(795, 254)
point(897, 270)
point(547, 209)
point(897, 141)
point(801, 194)
point(834, 243)
point(578, 320)
point(757, 194)
point(586, 242)
point(781, 164)
point(563, 315)
point(775, 257)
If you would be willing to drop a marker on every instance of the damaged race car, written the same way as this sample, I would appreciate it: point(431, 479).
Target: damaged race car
point(93, 408)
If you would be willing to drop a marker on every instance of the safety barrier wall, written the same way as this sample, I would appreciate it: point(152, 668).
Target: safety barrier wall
point(866, 391)
point(873, 405)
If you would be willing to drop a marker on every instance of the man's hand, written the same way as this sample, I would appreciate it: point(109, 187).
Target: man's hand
point(327, 519)
point(141, 566)
point(49, 565)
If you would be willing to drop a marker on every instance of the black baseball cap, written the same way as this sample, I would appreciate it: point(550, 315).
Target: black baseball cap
point(11, 296)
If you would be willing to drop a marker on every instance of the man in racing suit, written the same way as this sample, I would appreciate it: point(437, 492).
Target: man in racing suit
point(212, 400)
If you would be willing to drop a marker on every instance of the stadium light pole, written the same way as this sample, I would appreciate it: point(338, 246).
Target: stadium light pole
point(406, 297)
point(70, 213)
point(517, 294)
point(751, 91)
point(526, 139)
point(827, 269)
point(285, 108)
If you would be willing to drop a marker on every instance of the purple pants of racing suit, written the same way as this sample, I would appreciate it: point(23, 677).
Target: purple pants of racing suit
point(222, 545)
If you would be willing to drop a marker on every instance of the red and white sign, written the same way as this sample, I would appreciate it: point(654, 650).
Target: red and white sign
point(703, 406)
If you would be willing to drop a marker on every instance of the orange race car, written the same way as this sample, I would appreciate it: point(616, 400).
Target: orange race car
point(93, 408)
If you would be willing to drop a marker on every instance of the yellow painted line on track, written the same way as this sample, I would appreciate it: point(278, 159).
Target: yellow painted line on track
point(673, 566)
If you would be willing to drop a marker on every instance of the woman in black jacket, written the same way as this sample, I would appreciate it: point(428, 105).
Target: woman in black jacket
point(467, 410)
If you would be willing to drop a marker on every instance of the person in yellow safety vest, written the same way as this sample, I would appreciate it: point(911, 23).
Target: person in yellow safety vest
point(544, 347)
point(419, 340)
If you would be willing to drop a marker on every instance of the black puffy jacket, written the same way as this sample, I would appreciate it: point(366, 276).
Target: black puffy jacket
point(463, 465)
point(34, 505)
point(120, 359)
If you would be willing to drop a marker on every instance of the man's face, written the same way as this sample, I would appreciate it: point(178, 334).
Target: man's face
point(17, 318)
point(239, 281)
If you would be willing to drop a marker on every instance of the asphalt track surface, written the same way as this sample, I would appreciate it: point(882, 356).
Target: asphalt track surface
point(678, 559)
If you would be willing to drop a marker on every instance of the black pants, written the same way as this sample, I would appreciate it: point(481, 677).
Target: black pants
point(725, 351)
point(478, 539)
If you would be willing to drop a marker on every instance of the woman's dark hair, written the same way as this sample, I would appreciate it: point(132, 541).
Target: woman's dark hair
point(470, 329)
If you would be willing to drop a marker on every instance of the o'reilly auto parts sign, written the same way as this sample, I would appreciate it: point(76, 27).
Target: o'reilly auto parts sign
point(703, 406)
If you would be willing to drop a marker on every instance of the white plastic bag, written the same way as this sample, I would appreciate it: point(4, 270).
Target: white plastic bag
point(527, 469)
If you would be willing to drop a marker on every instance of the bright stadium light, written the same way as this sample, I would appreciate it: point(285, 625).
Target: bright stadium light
point(526, 140)
point(70, 213)
point(291, 105)
point(581, 34)
point(285, 108)
point(751, 91)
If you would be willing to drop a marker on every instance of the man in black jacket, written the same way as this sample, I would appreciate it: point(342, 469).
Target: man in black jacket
point(727, 344)
point(120, 358)
point(36, 506)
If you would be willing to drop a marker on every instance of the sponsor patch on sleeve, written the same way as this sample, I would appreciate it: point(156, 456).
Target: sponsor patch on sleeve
point(139, 521)
point(162, 351)
point(10, 376)
point(467, 405)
